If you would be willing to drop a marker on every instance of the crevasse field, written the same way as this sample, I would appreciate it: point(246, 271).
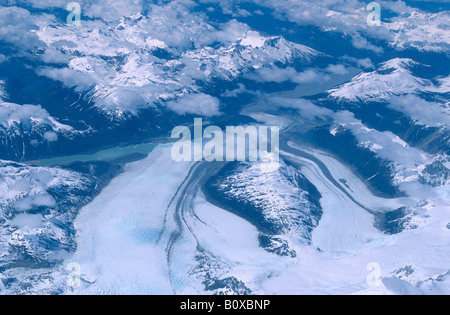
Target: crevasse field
point(92, 200)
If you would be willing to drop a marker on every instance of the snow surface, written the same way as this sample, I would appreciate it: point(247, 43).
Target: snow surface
point(122, 250)
point(115, 63)
point(392, 78)
point(36, 223)
point(12, 114)
point(152, 229)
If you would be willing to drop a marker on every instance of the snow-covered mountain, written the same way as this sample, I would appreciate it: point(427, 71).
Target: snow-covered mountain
point(27, 127)
point(281, 202)
point(87, 176)
point(410, 112)
point(38, 206)
point(140, 62)
point(393, 77)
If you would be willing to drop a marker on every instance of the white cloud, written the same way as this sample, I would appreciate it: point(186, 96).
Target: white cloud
point(365, 63)
point(196, 104)
point(399, 7)
point(51, 136)
point(43, 4)
point(426, 113)
point(32, 201)
point(337, 69)
point(106, 9)
point(70, 77)
point(17, 27)
point(311, 76)
point(28, 115)
point(230, 32)
point(234, 93)
point(22, 220)
point(13, 112)
point(243, 13)
point(362, 43)
point(288, 74)
point(112, 9)
point(305, 108)
point(53, 55)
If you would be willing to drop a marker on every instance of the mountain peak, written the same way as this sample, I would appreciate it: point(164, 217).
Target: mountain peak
point(399, 63)
point(393, 77)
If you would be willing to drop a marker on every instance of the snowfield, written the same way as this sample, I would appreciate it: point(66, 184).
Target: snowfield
point(358, 204)
point(160, 245)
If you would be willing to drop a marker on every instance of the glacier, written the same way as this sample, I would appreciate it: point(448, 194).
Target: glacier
point(358, 204)
point(200, 241)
